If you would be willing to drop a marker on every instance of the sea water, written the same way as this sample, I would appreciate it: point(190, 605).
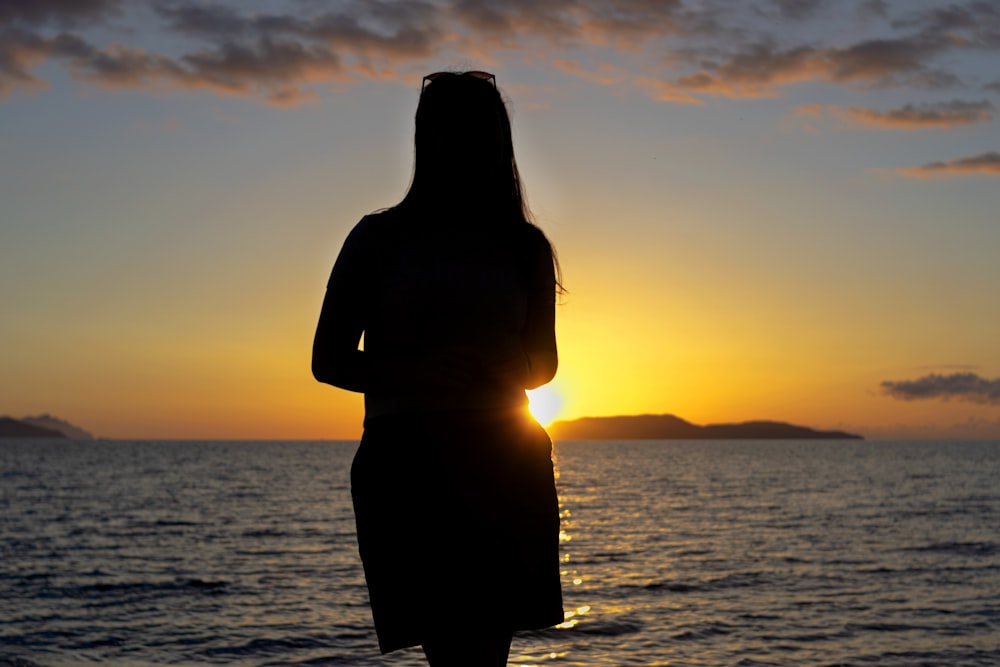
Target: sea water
point(673, 553)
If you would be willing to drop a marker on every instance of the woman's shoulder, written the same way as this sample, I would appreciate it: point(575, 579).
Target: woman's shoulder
point(381, 220)
point(374, 228)
point(534, 240)
point(535, 234)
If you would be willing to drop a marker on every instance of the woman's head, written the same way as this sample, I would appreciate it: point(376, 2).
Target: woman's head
point(463, 151)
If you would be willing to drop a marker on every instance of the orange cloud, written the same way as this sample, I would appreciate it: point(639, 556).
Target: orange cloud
point(809, 110)
point(606, 74)
point(664, 91)
point(629, 28)
point(911, 117)
point(263, 55)
point(683, 50)
point(757, 70)
point(984, 163)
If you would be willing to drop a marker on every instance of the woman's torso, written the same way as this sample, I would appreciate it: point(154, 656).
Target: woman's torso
point(437, 287)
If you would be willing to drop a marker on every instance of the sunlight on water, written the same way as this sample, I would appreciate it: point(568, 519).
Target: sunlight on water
point(671, 553)
point(572, 617)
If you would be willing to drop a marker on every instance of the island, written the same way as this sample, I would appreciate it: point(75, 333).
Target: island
point(41, 426)
point(670, 427)
point(14, 428)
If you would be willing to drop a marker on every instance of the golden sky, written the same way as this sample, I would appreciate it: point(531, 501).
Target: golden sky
point(780, 209)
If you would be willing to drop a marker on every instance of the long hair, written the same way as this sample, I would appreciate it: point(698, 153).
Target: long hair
point(463, 157)
point(463, 152)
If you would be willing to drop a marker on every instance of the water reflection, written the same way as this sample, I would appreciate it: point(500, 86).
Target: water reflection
point(684, 554)
point(573, 617)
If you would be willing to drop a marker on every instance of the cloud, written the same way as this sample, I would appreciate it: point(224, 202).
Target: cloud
point(270, 56)
point(912, 117)
point(887, 62)
point(905, 59)
point(975, 23)
point(21, 50)
point(205, 20)
point(755, 71)
point(810, 109)
point(628, 27)
point(671, 50)
point(759, 69)
point(874, 8)
point(268, 68)
point(405, 29)
point(799, 9)
point(665, 92)
point(63, 12)
point(555, 18)
point(984, 163)
point(237, 68)
point(606, 74)
point(961, 386)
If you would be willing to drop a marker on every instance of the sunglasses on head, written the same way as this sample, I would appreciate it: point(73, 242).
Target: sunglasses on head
point(485, 76)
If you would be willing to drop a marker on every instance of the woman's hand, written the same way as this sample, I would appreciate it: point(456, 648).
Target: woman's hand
point(465, 368)
point(468, 367)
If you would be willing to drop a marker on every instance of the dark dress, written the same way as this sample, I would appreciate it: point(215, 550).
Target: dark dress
point(458, 525)
point(454, 492)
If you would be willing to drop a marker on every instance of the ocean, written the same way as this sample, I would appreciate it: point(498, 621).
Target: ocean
point(680, 553)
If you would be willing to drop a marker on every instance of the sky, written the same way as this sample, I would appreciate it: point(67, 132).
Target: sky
point(771, 209)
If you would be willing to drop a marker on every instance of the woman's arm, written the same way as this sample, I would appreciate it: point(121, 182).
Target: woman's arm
point(336, 359)
point(538, 337)
point(532, 359)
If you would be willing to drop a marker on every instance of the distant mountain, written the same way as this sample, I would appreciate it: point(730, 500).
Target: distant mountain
point(669, 427)
point(13, 428)
point(56, 424)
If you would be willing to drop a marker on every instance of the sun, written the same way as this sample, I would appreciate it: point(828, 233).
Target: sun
point(544, 404)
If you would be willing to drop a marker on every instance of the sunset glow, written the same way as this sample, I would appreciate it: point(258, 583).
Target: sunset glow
point(544, 404)
point(774, 210)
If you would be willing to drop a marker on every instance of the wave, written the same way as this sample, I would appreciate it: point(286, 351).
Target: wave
point(958, 548)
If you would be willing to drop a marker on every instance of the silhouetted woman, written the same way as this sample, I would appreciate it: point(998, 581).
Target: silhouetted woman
point(454, 292)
